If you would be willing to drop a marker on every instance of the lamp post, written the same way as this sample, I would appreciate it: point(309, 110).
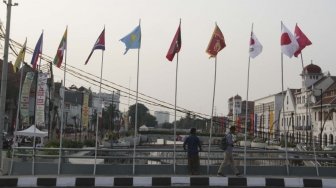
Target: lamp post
point(5, 73)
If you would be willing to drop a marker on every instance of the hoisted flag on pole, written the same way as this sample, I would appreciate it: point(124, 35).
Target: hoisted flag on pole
point(37, 51)
point(133, 39)
point(289, 45)
point(255, 46)
point(302, 40)
point(20, 57)
point(217, 42)
point(99, 45)
point(60, 50)
point(175, 46)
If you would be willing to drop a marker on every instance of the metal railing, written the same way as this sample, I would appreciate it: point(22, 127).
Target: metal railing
point(29, 160)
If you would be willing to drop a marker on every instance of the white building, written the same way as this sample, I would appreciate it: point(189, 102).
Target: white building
point(107, 99)
point(266, 120)
point(161, 117)
point(301, 118)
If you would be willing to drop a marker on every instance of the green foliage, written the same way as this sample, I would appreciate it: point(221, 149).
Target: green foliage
point(72, 144)
point(144, 117)
point(289, 144)
point(89, 143)
point(9, 153)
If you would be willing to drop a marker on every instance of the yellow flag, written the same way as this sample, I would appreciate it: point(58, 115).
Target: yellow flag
point(20, 57)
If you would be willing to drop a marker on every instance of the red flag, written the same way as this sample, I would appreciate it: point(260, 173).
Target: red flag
point(302, 39)
point(216, 43)
point(175, 45)
point(100, 44)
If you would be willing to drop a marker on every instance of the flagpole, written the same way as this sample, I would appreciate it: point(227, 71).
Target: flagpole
point(37, 82)
point(175, 113)
point(62, 110)
point(100, 111)
point(246, 111)
point(175, 108)
point(136, 110)
point(283, 111)
point(17, 118)
point(212, 111)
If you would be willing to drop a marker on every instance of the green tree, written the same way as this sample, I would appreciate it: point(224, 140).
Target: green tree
point(144, 117)
point(109, 114)
point(150, 120)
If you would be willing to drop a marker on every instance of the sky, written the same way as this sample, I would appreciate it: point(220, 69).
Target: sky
point(159, 21)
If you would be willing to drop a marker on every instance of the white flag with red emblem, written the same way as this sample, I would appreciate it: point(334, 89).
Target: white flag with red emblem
point(255, 46)
point(289, 45)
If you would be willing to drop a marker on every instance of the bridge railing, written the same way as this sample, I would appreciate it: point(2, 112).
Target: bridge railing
point(29, 160)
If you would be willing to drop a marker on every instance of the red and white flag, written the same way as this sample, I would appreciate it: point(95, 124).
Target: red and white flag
point(302, 40)
point(255, 46)
point(289, 45)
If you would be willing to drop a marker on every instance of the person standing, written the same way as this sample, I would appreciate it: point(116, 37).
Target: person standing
point(193, 144)
point(228, 158)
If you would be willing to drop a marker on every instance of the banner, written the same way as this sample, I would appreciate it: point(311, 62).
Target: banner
point(85, 110)
point(40, 99)
point(24, 105)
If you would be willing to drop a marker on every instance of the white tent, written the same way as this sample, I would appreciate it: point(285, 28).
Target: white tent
point(31, 131)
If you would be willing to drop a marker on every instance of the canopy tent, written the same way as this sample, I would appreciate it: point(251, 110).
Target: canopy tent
point(31, 131)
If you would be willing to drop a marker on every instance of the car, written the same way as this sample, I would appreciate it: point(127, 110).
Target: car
point(332, 149)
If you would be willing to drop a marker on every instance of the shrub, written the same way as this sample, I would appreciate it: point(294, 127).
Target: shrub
point(89, 143)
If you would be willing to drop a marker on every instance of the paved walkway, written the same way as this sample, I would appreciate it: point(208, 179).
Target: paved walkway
point(146, 181)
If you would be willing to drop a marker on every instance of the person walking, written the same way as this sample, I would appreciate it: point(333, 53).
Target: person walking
point(228, 158)
point(193, 144)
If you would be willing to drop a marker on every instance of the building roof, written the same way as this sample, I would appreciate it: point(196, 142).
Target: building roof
point(312, 69)
point(235, 97)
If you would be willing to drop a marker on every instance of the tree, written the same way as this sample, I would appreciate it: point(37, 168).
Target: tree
point(150, 120)
point(109, 114)
point(144, 117)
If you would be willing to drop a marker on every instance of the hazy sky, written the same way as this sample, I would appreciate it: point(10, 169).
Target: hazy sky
point(159, 21)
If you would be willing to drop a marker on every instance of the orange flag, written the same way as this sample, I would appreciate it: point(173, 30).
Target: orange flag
point(216, 43)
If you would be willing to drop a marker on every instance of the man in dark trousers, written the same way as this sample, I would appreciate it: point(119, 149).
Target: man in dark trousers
point(228, 158)
point(193, 143)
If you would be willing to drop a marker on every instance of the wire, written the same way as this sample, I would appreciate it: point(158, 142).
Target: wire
point(106, 84)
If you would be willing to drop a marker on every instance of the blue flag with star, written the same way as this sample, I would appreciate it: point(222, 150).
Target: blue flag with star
point(133, 39)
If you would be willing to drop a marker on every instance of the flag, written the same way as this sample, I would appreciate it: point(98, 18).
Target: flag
point(99, 45)
point(175, 46)
point(255, 46)
point(37, 51)
point(20, 57)
point(302, 40)
point(289, 45)
point(60, 50)
point(133, 39)
point(252, 123)
point(216, 43)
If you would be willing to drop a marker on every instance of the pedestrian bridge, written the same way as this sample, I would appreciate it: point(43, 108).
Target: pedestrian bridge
point(31, 167)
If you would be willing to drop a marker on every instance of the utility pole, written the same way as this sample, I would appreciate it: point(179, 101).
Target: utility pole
point(4, 74)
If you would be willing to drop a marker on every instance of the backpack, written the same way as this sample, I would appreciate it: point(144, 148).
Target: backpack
point(223, 143)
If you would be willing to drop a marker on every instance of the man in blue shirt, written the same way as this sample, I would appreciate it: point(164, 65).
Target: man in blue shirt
point(228, 158)
point(193, 143)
